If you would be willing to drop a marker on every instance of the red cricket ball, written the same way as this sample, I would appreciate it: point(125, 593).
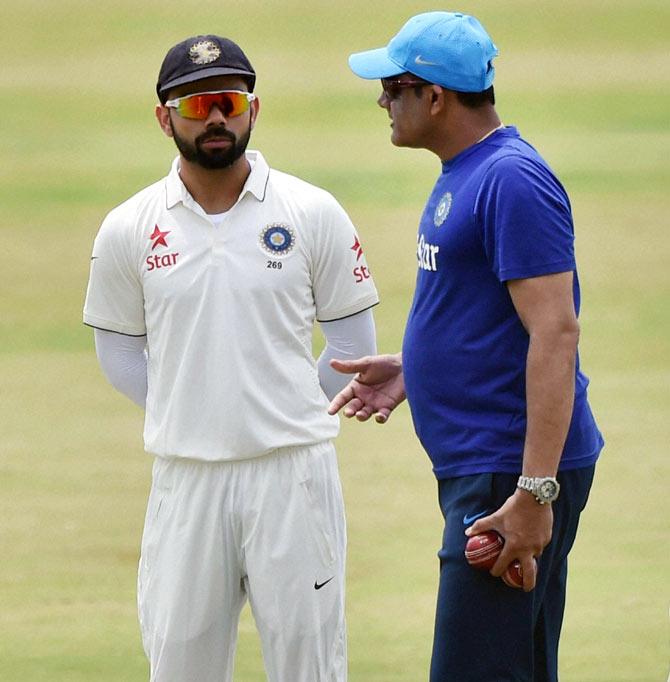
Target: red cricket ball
point(513, 575)
point(482, 550)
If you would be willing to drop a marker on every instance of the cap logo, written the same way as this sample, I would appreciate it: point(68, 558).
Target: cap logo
point(420, 60)
point(204, 52)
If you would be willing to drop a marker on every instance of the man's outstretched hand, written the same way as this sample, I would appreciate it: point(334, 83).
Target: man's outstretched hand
point(377, 389)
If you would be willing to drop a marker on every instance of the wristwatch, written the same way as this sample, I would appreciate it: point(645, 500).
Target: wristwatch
point(544, 489)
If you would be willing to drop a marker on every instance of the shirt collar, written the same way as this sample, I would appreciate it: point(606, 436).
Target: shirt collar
point(256, 184)
point(257, 181)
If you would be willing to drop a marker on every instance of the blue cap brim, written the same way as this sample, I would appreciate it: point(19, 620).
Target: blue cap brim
point(374, 64)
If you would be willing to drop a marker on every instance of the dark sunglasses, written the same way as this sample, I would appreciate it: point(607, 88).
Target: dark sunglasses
point(393, 86)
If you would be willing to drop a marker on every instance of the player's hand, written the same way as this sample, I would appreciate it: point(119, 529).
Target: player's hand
point(377, 389)
point(526, 527)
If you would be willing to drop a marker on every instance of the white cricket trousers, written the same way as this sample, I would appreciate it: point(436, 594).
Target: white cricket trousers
point(270, 529)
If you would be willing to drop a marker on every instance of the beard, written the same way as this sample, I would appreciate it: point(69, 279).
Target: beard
point(212, 159)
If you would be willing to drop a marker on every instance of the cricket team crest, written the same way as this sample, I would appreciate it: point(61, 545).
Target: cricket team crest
point(442, 210)
point(204, 52)
point(277, 239)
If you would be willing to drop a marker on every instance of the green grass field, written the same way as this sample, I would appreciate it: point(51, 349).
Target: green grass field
point(587, 82)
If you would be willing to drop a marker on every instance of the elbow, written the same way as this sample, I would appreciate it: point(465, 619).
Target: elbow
point(568, 334)
point(562, 337)
point(571, 333)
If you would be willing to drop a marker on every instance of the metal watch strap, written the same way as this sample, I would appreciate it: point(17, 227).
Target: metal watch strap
point(526, 483)
point(535, 485)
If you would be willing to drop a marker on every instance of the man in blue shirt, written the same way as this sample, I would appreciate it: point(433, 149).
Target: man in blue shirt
point(489, 363)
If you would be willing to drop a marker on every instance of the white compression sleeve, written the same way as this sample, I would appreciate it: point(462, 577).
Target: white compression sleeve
point(123, 360)
point(346, 339)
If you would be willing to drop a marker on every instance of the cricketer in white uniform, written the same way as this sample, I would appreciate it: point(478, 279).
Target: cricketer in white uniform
point(203, 292)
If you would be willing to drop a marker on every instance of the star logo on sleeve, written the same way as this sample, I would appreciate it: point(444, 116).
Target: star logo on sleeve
point(357, 248)
point(158, 237)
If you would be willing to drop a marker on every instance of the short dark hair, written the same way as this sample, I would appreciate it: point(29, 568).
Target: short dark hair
point(474, 100)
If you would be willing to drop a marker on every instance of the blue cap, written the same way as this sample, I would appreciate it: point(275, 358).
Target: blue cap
point(446, 48)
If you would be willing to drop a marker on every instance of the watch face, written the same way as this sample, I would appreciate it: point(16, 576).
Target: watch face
point(547, 490)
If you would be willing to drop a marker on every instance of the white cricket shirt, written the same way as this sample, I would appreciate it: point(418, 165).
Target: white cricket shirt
point(229, 311)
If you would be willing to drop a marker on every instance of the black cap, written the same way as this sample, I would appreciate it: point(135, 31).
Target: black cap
point(203, 57)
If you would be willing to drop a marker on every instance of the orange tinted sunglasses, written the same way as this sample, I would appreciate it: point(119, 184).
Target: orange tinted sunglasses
point(198, 105)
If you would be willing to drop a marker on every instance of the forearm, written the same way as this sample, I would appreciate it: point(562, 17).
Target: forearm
point(346, 339)
point(550, 388)
point(123, 360)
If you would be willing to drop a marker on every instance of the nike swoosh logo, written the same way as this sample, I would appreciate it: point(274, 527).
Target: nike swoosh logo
point(318, 586)
point(470, 519)
point(420, 60)
point(93, 257)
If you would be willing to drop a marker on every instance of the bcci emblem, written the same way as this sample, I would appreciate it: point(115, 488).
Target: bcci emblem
point(277, 239)
point(442, 210)
point(204, 52)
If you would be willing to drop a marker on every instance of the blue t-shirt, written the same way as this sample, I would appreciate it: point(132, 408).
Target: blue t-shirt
point(496, 213)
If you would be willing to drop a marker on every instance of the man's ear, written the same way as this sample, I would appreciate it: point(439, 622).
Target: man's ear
point(438, 98)
point(255, 108)
point(163, 118)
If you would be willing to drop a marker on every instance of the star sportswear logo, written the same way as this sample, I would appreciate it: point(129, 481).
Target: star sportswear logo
point(158, 237)
point(357, 248)
point(360, 272)
point(162, 260)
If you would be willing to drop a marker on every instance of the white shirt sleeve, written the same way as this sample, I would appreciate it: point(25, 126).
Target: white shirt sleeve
point(114, 298)
point(341, 278)
point(346, 339)
point(123, 360)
